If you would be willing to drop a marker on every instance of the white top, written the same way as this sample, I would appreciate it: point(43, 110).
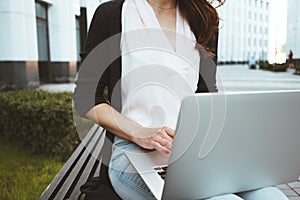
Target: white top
point(155, 77)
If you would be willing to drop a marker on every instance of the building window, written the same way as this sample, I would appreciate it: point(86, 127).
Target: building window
point(81, 33)
point(78, 38)
point(42, 31)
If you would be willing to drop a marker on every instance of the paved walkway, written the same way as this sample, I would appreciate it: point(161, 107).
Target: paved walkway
point(239, 78)
point(65, 87)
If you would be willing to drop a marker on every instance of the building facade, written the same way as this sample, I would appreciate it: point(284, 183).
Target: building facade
point(293, 30)
point(244, 31)
point(41, 40)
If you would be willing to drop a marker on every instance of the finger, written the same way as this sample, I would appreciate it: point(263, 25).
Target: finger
point(166, 131)
point(166, 137)
point(163, 142)
point(169, 131)
point(160, 148)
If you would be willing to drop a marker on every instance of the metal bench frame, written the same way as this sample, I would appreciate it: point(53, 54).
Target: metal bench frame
point(85, 162)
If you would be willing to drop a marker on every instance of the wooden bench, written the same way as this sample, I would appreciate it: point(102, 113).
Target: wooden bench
point(84, 163)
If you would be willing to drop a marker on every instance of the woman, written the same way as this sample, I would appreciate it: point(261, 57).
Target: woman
point(159, 66)
point(290, 60)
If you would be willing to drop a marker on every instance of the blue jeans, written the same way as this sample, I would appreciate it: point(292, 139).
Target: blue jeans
point(128, 184)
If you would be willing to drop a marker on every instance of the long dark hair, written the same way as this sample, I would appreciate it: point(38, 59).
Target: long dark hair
point(202, 18)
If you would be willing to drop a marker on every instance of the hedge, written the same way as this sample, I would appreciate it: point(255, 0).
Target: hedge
point(273, 68)
point(39, 121)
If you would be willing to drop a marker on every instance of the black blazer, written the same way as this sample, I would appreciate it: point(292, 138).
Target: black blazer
point(99, 76)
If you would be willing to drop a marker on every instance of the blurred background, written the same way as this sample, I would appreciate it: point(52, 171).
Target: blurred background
point(41, 39)
point(40, 42)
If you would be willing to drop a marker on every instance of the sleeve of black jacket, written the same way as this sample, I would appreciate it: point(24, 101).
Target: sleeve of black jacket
point(93, 78)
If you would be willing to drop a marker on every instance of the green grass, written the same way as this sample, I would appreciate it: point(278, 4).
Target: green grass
point(23, 176)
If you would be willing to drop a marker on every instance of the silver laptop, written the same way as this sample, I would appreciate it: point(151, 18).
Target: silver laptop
point(227, 143)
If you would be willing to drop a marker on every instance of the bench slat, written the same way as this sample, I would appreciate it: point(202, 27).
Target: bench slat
point(76, 169)
point(92, 163)
point(63, 173)
point(97, 171)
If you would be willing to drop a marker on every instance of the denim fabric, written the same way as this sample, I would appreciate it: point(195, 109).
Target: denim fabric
point(267, 193)
point(129, 185)
point(124, 178)
point(272, 193)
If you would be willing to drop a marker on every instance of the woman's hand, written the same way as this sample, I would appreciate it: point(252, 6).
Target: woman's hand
point(159, 139)
point(149, 138)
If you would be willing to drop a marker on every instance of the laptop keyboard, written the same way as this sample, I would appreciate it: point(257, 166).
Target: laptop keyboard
point(162, 171)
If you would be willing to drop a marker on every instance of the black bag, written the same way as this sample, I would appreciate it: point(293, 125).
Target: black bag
point(97, 189)
point(100, 188)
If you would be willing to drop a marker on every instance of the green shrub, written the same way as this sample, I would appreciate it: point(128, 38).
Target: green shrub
point(273, 68)
point(280, 68)
point(265, 66)
point(40, 121)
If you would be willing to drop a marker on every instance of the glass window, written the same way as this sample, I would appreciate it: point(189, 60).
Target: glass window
point(78, 38)
point(41, 10)
point(42, 41)
point(42, 31)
